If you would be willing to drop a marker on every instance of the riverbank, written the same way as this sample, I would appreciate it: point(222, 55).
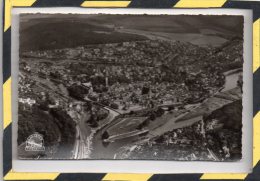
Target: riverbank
point(186, 119)
point(233, 71)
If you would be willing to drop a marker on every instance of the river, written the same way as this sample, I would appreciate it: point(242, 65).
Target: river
point(231, 79)
point(107, 151)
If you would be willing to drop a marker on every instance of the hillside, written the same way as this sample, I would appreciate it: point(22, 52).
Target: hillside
point(60, 31)
point(69, 34)
point(229, 115)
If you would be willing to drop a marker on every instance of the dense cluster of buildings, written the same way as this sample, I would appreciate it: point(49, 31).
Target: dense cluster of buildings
point(118, 73)
point(131, 76)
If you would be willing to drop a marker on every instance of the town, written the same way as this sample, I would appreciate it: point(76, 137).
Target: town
point(132, 99)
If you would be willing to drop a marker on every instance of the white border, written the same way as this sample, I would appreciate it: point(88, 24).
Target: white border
point(134, 166)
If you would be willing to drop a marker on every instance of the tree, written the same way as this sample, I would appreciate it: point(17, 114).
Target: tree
point(114, 106)
point(37, 120)
point(145, 90)
point(159, 112)
point(105, 135)
point(77, 91)
point(152, 116)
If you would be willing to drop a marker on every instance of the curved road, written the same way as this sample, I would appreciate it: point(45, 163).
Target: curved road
point(85, 135)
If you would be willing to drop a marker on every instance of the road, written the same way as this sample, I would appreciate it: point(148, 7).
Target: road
point(82, 146)
point(195, 114)
point(88, 139)
point(125, 135)
point(108, 151)
point(84, 141)
point(149, 35)
point(84, 134)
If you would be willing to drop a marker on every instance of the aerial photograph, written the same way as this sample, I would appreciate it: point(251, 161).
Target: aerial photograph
point(130, 87)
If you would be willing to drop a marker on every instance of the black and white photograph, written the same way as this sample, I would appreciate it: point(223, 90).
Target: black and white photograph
point(130, 87)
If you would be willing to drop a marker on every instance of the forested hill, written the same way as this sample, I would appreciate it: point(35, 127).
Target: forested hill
point(69, 31)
